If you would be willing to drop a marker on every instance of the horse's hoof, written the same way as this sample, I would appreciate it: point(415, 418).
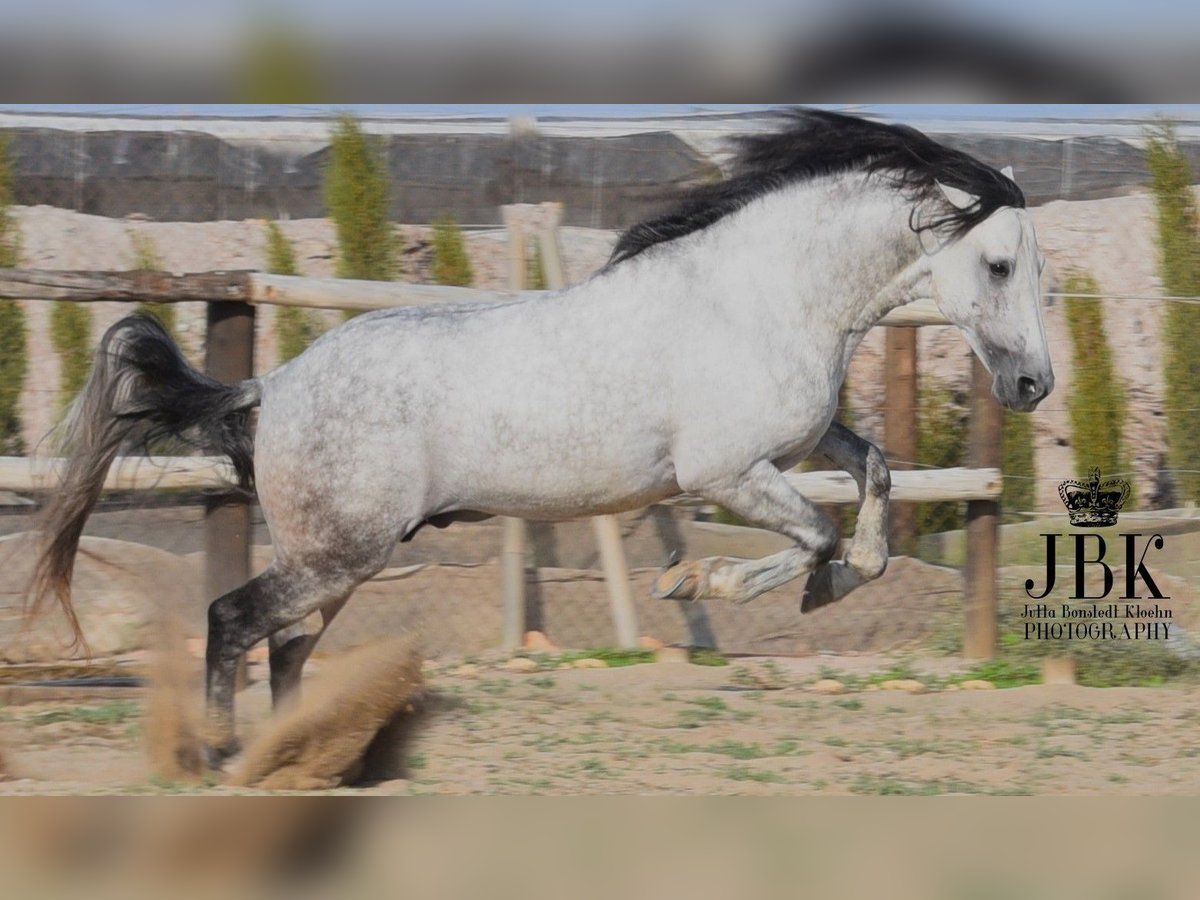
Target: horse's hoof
point(682, 582)
point(818, 590)
point(216, 757)
point(827, 584)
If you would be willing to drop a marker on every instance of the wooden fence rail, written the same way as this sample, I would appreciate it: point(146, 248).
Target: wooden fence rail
point(290, 290)
point(143, 473)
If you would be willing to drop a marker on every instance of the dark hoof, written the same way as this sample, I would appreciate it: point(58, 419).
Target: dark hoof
point(828, 583)
point(216, 757)
point(818, 590)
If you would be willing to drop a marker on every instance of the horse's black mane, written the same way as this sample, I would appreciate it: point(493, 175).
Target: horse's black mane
point(815, 143)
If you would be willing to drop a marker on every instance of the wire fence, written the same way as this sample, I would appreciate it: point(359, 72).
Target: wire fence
point(86, 209)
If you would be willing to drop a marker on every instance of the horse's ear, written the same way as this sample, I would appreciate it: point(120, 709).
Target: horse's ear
point(957, 197)
point(1007, 172)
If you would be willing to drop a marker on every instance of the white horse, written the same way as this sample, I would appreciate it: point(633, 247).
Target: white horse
point(705, 357)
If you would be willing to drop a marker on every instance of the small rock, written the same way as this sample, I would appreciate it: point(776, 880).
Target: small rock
point(950, 688)
point(671, 655)
point(520, 664)
point(565, 665)
point(537, 641)
point(908, 685)
point(827, 686)
point(871, 687)
point(977, 684)
point(650, 643)
point(589, 664)
point(467, 670)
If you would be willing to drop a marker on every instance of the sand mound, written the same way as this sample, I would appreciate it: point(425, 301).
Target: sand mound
point(322, 743)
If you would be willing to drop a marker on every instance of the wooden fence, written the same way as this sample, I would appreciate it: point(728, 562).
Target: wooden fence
point(229, 356)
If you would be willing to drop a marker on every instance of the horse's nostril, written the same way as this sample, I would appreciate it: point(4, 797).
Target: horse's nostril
point(1028, 388)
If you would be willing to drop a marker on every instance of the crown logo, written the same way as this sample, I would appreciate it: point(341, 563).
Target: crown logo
point(1094, 504)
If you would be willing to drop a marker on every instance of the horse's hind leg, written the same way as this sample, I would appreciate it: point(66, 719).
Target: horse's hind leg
point(290, 648)
point(277, 599)
point(762, 496)
point(867, 556)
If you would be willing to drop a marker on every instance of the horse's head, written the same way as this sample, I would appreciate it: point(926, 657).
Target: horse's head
point(987, 283)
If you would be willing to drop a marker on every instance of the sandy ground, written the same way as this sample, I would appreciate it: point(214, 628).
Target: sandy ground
point(685, 729)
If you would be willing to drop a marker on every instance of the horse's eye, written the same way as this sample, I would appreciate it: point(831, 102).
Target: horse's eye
point(1000, 269)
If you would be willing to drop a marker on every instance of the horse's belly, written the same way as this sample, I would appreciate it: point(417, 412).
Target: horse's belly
point(567, 490)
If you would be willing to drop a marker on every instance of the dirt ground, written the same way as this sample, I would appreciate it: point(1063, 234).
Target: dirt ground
point(754, 726)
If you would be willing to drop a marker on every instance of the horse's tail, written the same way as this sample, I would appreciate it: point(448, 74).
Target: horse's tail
point(141, 390)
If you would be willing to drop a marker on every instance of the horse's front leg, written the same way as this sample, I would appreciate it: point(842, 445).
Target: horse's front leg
point(761, 496)
point(867, 556)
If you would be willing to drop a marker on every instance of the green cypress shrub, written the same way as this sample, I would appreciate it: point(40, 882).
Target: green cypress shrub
point(295, 327)
point(1018, 462)
point(451, 265)
point(357, 186)
point(941, 442)
point(146, 258)
point(535, 272)
point(71, 337)
point(1179, 244)
point(14, 357)
point(1097, 405)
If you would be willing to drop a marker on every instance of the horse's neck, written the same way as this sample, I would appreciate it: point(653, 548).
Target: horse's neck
point(833, 255)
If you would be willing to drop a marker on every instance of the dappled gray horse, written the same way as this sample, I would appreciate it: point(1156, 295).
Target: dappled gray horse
point(705, 357)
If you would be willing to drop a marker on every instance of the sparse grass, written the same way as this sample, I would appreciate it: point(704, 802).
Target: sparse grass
point(744, 773)
point(737, 750)
point(798, 704)
point(1059, 717)
point(594, 766)
point(901, 671)
point(542, 681)
point(666, 745)
point(1003, 673)
point(171, 786)
point(1047, 752)
point(906, 747)
point(616, 658)
point(1122, 717)
point(416, 761)
point(705, 656)
point(849, 703)
point(544, 743)
point(695, 717)
point(115, 713)
point(890, 786)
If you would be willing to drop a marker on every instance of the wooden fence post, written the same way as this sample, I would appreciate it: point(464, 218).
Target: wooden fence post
point(229, 358)
point(983, 520)
point(512, 555)
point(900, 427)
